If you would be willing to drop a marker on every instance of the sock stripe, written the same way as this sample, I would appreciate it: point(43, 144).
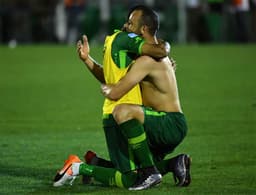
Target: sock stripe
point(118, 179)
point(137, 139)
point(131, 157)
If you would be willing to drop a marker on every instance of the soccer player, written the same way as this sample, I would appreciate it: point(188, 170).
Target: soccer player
point(161, 114)
point(125, 176)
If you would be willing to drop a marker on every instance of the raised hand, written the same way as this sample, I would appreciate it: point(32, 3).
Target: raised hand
point(83, 48)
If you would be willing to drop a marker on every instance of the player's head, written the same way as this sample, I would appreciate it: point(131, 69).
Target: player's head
point(142, 16)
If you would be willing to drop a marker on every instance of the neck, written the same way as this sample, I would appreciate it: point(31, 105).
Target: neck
point(150, 39)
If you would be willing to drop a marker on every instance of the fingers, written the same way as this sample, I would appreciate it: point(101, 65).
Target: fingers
point(79, 46)
point(105, 89)
point(79, 43)
point(82, 48)
point(103, 86)
point(85, 39)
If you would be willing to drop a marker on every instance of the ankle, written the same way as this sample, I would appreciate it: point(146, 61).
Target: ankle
point(149, 170)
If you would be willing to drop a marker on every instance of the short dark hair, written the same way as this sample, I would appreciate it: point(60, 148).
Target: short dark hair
point(149, 18)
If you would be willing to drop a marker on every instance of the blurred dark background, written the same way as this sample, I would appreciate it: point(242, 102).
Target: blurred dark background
point(181, 21)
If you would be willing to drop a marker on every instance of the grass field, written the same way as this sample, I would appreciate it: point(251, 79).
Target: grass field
point(50, 106)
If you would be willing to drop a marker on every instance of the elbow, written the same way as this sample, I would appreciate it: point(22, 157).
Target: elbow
point(165, 50)
point(162, 55)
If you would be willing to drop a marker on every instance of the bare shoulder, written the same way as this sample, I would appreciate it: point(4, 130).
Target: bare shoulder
point(145, 62)
point(146, 59)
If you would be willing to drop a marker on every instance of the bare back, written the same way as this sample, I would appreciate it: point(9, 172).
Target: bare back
point(159, 87)
point(157, 80)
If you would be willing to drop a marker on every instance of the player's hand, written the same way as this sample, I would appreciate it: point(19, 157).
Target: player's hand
point(166, 45)
point(105, 89)
point(83, 48)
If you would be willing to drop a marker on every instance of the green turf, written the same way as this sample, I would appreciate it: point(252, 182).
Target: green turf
point(50, 106)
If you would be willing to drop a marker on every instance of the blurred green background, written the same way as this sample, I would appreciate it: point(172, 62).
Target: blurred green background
point(181, 21)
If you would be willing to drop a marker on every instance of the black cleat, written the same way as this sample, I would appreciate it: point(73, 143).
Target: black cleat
point(182, 170)
point(147, 180)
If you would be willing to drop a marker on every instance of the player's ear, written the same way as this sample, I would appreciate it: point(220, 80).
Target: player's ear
point(143, 29)
point(124, 28)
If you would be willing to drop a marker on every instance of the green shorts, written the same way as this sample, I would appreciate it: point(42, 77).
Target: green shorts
point(164, 131)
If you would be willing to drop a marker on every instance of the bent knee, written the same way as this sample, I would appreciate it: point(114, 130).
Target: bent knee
point(125, 112)
point(120, 113)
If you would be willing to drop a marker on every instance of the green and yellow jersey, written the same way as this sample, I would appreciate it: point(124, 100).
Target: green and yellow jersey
point(120, 50)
